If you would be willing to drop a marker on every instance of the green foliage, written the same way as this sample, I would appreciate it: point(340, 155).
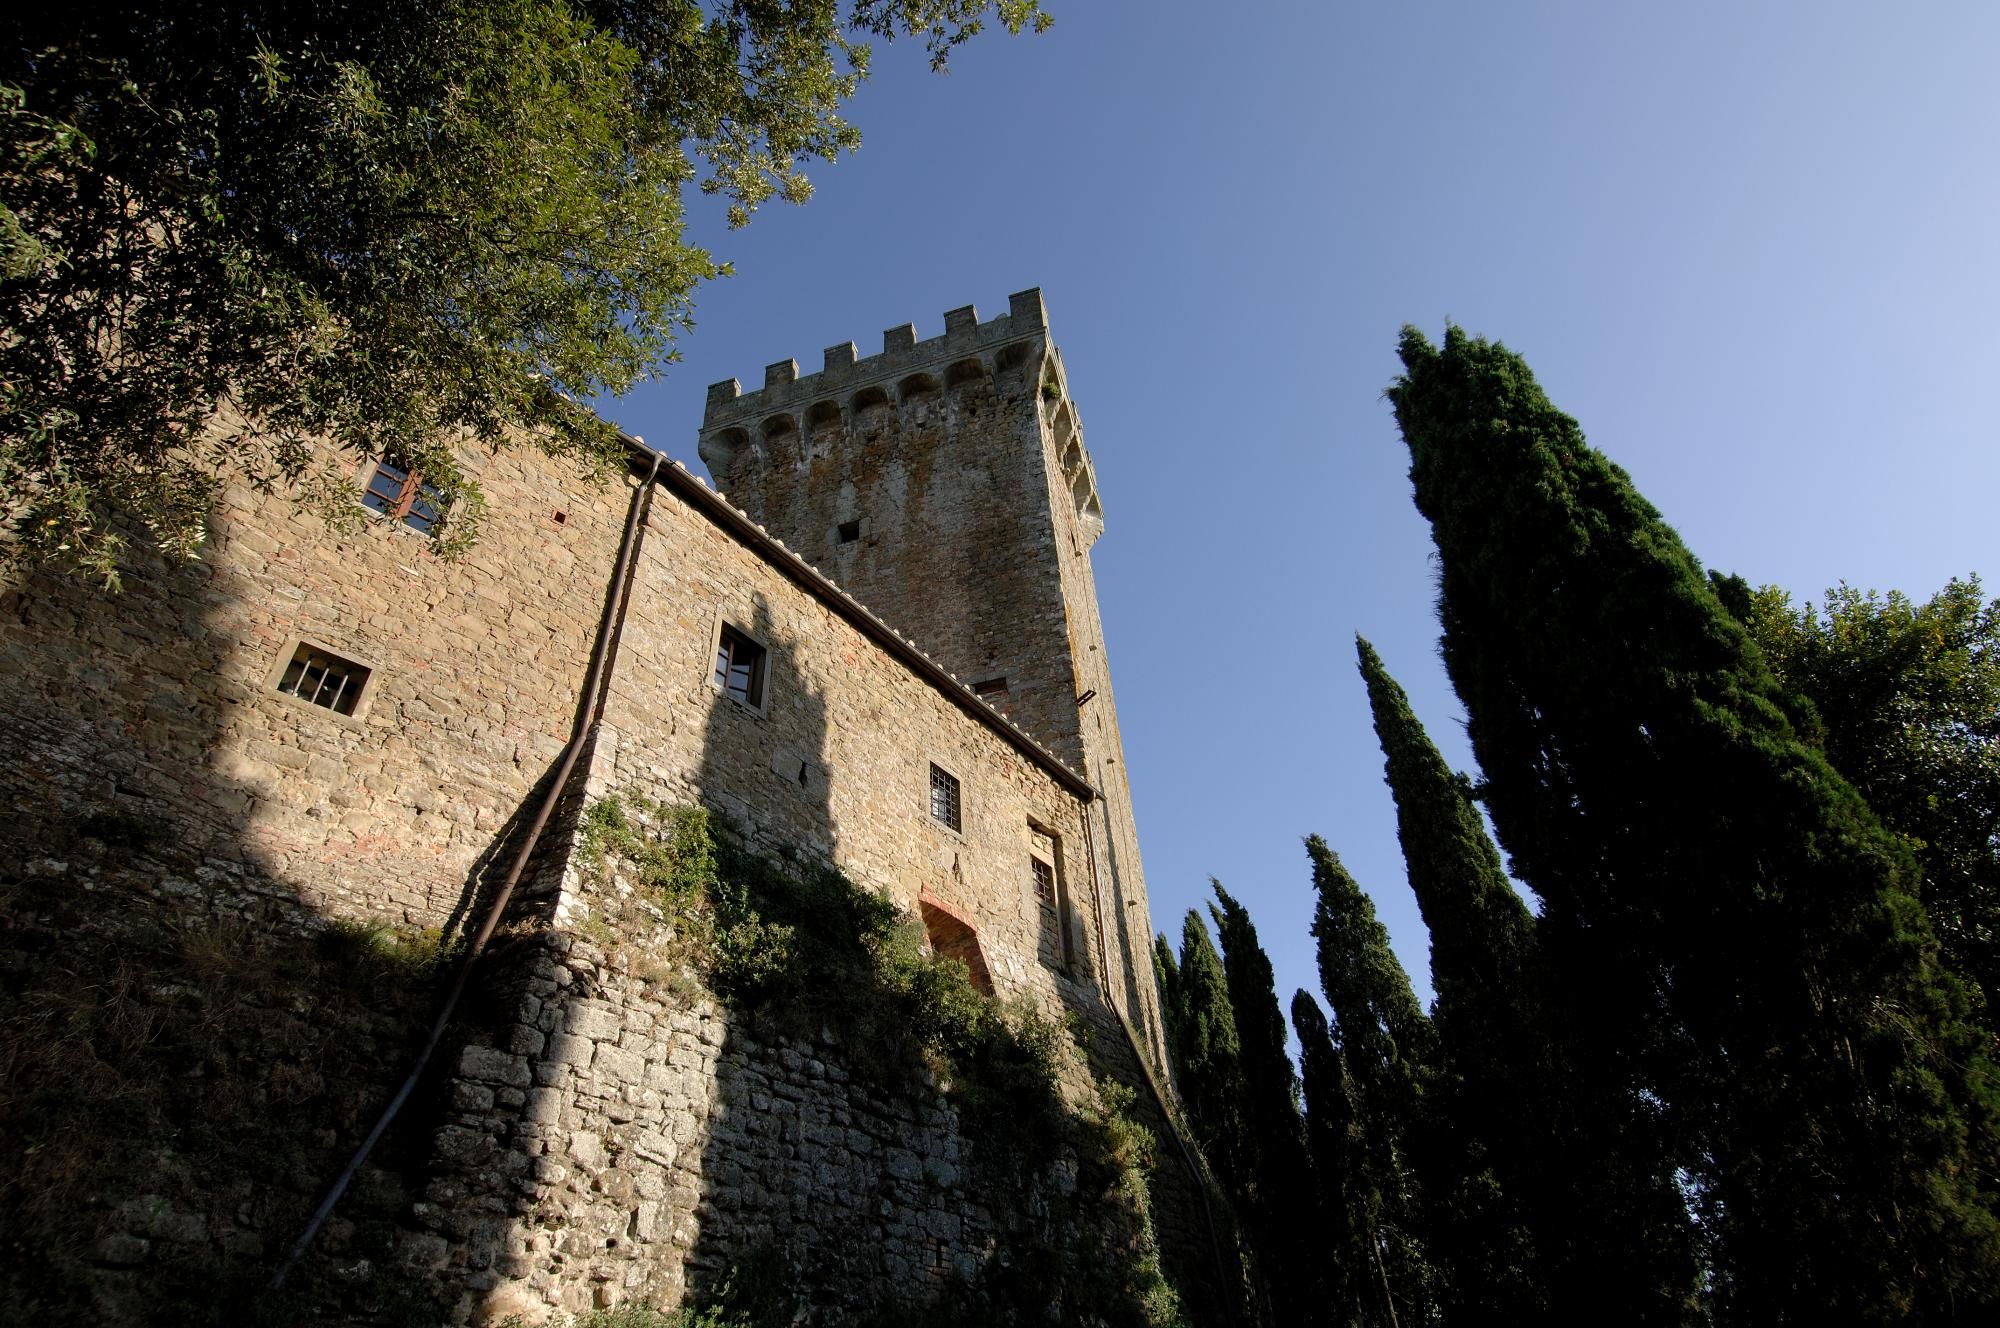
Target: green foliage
point(1381, 1029)
point(1739, 942)
point(231, 233)
point(1207, 1058)
point(1387, 1048)
point(1333, 1139)
point(1907, 699)
point(1484, 1156)
point(1277, 1200)
point(1167, 979)
point(1544, 1198)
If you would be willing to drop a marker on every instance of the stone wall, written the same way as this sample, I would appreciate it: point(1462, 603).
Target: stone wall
point(945, 484)
point(835, 762)
point(160, 789)
point(159, 704)
point(626, 1144)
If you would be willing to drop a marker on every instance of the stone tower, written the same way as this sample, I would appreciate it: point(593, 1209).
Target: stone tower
point(944, 484)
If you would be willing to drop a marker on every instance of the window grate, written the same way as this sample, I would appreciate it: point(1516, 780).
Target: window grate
point(324, 679)
point(1045, 882)
point(944, 798)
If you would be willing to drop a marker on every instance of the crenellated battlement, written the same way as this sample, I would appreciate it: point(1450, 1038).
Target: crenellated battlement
point(967, 346)
point(792, 415)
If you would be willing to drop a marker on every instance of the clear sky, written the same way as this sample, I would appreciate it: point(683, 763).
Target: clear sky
point(1752, 248)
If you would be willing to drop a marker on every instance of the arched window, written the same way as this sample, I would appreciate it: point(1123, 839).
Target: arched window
point(952, 937)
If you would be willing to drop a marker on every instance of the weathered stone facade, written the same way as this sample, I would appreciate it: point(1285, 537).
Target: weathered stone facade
point(945, 484)
point(593, 1136)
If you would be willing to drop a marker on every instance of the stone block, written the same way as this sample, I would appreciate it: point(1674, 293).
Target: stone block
point(614, 1065)
point(492, 1065)
point(594, 1020)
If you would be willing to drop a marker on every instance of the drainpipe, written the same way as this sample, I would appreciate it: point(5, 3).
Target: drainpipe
point(589, 713)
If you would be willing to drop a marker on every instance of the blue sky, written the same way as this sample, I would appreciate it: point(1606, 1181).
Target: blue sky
point(1751, 248)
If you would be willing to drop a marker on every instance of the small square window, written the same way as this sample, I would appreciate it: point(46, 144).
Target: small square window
point(991, 690)
point(324, 679)
point(850, 531)
point(944, 798)
point(739, 666)
point(1045, 882)
point(403, 496)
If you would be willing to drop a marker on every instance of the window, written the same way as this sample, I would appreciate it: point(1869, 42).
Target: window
point(992, 690)
point(403, 496)
point(944, 798)
point(850, 531)
point(1045, 882)
point(739, 667)
point(952, 936)
point(324, 679)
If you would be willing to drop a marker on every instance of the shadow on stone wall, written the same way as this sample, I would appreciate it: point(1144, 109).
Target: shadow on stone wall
point(188, 1049)
point(609, 1136)
point(777, 1184)
point(613, 1135)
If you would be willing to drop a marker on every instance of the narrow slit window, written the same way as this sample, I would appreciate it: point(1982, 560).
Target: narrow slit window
point(945, 804)
point(324, 679)
point(739, 667)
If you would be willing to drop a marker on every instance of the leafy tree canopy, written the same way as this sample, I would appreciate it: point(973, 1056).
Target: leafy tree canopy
point(1908, 698)
point(228, 230)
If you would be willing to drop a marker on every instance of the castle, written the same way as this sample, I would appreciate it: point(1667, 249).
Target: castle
point(875, 644)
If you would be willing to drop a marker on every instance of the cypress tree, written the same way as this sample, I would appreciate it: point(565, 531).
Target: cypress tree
point(1348, 1257)
point(1541, 1200)
point(1386, 1044)
point(1741, 936)
point(1208, 1061)
point(1167, 976)
point(1279, 1196)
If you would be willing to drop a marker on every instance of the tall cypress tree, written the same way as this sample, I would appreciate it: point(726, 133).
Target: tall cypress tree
point(1386, 1044)
point(1208, 1059)
point(1167, 976)
point(1279, 1195)
point(1351, 1278)
point(1542, 1200)
point(1743, 936)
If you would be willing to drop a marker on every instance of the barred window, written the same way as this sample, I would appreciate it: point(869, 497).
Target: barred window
point(324, 679)
point(1045, 882)
point(944, 798)
point(403, 496)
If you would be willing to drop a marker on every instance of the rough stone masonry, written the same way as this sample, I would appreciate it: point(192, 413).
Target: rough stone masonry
point(315, 730)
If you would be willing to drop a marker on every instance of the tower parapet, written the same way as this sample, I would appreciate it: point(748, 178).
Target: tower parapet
point(843, 375)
